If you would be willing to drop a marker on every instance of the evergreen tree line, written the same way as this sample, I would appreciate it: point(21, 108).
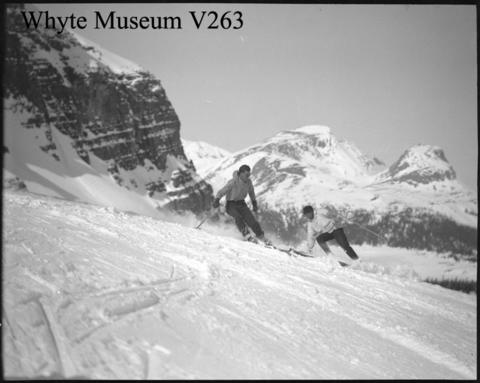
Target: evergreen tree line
point(467, 286)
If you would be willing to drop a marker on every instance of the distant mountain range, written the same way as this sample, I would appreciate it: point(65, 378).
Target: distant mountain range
point(416, 202)
point(83, 123)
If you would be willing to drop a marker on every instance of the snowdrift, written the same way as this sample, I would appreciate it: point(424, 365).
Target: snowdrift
point(95, 293)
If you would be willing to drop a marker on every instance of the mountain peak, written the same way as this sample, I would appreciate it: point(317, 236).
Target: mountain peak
point(421, 164)
point(204, 155)
point(314, 129)
point(427, 151)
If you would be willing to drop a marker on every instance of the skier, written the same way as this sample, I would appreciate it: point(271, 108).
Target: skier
point(235, 191)
point(322, 229)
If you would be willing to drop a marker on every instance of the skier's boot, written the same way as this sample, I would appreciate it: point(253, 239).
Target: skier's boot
point(249, 237)
point(265, 241)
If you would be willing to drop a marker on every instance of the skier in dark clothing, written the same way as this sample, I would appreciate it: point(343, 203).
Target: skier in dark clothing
point(322, 229)
point(235, 191)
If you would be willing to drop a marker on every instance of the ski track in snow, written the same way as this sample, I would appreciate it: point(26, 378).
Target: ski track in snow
point(109, 295)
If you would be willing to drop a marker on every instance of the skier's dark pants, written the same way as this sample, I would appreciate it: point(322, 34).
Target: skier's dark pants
point(243, 216)
point(341, 238)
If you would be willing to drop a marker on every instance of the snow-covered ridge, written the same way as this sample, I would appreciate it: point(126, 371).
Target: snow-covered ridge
point(204, 156)
point(74, 52)
point(94, 293)
point(315, 129)
point(103, 56)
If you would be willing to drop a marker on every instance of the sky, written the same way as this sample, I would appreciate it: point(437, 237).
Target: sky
point(385, 77)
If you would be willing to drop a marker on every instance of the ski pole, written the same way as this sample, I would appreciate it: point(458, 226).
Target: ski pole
point(364, 228)
point(370, 231)
point(209, 215)
point(201, 222)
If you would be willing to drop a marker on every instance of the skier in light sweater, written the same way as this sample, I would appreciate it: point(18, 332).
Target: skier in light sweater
point(235, 191)
point(321, 229)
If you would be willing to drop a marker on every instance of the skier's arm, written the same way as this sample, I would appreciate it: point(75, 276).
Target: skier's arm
point(224, 190)
point(310, 238)
point(251, 193)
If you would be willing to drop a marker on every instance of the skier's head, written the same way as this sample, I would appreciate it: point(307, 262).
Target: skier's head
point(244, 172)
point(307, 212)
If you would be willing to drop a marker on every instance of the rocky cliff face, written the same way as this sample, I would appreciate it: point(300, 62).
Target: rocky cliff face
point(116, 115)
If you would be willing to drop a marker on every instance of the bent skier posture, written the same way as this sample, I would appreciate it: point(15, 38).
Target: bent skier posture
point(235, 191)
point(322, 229)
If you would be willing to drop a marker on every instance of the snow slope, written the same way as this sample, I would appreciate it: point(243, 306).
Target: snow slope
point(91, 292)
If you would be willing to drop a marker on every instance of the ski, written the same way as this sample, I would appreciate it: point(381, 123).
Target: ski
point(293, 252)
point(301, 253)
point(290, 251)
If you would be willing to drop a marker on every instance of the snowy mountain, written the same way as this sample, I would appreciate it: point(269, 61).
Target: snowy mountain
point(305, 150)
point(90, 292)
point(204, 156)
point(422, 164)
point(83, 123)
point(417, 202)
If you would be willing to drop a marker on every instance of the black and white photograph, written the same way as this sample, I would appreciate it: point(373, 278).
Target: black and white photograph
point(240, 191)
